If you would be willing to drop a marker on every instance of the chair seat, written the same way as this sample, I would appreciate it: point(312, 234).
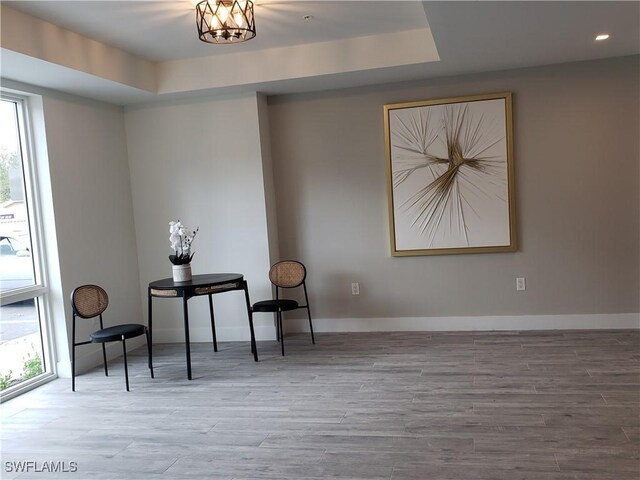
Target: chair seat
point(275, 305)
point(112, 334)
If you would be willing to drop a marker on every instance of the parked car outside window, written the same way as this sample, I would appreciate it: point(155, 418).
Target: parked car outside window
point(16, 264)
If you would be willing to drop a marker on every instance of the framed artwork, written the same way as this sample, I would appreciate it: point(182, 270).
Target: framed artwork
point(450, 175)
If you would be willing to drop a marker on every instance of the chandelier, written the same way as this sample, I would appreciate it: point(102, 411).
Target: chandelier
point(225, 21)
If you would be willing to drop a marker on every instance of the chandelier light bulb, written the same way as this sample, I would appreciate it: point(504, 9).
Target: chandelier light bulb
point(224, 13)
point(238, 19)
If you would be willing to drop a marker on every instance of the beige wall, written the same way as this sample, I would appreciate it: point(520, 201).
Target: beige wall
point(577, 190)
point(269, 188)
point(200, 161)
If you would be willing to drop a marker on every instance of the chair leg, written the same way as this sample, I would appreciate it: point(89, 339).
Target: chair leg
point(149, 352)
point(313, 340)
point(104, 360)
point(281, 333)
point(126, 369)
point(277, 329)
point(73, 368)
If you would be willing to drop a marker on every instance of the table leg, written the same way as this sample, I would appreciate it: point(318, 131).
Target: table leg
point(150, 333)
point(254, 349)
point(213, 324)
point(185, 313)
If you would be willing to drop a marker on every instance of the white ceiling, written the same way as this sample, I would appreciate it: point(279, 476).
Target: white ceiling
point(484, 36)
point(345, 44)
point(164, 30)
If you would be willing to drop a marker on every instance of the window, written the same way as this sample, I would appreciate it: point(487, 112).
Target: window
point(24, 352)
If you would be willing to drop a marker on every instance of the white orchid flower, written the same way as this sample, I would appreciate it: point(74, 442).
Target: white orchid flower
point(174, 227)
point(175, 241)
point(180, 239)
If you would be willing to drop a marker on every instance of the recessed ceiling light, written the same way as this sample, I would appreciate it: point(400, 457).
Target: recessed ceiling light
point(602, 36)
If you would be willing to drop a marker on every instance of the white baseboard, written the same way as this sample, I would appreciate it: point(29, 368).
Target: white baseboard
point(429, 324)
point(481, 323)
point(223, 334)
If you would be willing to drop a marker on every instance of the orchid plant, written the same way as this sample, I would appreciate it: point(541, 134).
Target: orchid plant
point(181, 238)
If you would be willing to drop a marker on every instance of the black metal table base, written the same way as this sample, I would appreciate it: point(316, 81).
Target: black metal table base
point(200, 285)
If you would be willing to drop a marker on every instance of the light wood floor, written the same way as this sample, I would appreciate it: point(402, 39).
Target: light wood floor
point(399, 406)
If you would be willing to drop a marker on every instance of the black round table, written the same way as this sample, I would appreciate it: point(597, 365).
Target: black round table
point(209, 285)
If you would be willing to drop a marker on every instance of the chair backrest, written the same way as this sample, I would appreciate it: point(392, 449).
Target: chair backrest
point(287, 274)
point(89, 301)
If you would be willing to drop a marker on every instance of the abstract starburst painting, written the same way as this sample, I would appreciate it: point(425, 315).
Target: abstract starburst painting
point(450, 170)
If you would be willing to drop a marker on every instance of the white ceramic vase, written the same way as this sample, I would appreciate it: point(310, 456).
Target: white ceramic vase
point(182, 273)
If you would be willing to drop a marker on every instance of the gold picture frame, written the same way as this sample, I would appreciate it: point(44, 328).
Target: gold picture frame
point(450, 175)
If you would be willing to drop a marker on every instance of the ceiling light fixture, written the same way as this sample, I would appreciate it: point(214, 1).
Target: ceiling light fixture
point(225, 21)
point(602, 36)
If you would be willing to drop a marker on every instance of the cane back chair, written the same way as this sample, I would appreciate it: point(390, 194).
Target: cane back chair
point(90, 301)
point(285, 274)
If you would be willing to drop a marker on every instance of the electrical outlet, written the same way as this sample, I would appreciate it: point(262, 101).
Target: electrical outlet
point(520, 284)
point(355, 289)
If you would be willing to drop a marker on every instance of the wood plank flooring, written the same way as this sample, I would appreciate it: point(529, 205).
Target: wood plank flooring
point(557, 405)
